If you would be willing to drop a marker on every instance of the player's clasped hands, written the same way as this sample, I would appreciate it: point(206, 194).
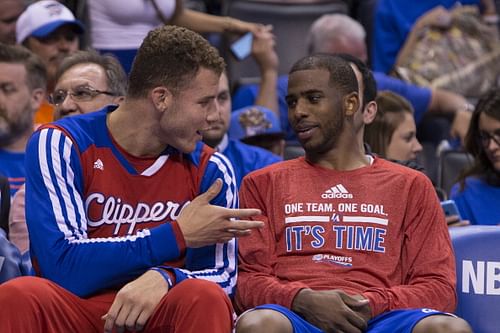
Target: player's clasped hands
point(204, 224)
point(333, 310)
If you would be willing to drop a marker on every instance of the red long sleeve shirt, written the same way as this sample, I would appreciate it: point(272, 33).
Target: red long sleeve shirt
point(378, 231)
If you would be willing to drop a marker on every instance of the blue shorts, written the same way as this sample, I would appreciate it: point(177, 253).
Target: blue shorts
point(401, 321)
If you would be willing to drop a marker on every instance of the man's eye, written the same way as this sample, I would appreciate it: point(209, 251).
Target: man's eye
point(291, 103)
point(8, 89)
point(223, 97)
point(314, 98)
point(82, 93)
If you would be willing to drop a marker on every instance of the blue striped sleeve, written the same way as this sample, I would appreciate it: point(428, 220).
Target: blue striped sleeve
point(57, 224)
point(215, 263)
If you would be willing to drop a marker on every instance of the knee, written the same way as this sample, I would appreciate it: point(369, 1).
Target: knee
point(22, 291)
point(263, 321)
point(442, 324)
point(201, 292)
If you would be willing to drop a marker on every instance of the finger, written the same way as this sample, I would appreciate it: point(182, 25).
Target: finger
point(110, 317)
point(141, 320)
point(121, 318)
point(239, 233)
point(355, 303)
point(243, 225)
point(211, 193)
point(131, 321)
point(348, 326)
point(354, 323)
point(109, 322)
point(240, 212)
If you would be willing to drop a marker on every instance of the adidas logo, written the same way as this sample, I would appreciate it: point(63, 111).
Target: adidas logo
point(338, 192)
point(99, 165)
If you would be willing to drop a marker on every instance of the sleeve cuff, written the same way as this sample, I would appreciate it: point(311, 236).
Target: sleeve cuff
point(166, 276)
point(179, 237)
point(376, 302)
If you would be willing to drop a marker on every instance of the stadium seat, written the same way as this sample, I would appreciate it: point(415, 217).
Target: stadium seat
point(477, 253)
point(451, 164)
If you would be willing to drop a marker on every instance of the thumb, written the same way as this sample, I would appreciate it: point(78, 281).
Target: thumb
point(211, 193)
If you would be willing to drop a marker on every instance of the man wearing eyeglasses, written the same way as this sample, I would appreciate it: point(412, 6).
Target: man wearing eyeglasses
point(86, 82)
point(50, 30)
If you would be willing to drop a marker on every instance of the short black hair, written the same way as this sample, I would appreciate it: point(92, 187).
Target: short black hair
point(342, 75)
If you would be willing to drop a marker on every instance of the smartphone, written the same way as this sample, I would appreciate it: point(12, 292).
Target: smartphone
point(242, 47)
point(450, 208)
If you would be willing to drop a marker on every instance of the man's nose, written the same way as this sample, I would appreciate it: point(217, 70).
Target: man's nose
point(214, 112)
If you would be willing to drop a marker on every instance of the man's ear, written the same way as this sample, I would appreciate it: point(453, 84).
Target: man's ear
point(161, 98)
point(37, 97)
point(351, 104)
point(370, 112)
point(118, 99)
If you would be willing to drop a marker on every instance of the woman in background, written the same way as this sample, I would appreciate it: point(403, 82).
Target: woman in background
point(477, 193)
point(118, 27)
point(392, 134)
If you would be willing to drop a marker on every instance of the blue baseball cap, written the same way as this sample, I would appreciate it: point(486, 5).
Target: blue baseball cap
point(254, 121)
point(42, 18)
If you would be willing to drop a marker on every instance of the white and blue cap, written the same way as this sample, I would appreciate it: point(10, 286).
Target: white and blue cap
point(42, 18)
point(254, 121)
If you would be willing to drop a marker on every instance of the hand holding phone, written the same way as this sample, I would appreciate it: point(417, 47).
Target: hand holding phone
point(242, 47)
point(450, 208)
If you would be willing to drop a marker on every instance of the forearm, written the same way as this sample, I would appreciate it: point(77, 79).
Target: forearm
point(85, 266)
point(256, 289)
point(437, 294)
point(408, 47)
point(202, 22)
point(444, 101)
point(267, 96)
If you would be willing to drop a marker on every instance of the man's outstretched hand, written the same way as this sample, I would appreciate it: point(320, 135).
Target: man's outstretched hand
point(204, 224)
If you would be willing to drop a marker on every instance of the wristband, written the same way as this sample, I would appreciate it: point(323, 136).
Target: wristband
point(165, 275)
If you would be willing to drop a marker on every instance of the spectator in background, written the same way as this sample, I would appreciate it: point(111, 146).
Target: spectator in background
point(10, 10)
point(477, 193)
point(257, 126)
point(81, 81)
point(22, 89)
point(120, 29)
point(50, 30)
point(246, 158)
point(395, 19)
point(87, 81)
point(393, 134)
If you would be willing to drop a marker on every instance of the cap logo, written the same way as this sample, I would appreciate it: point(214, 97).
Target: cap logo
point(254, 122)
point(54, 9)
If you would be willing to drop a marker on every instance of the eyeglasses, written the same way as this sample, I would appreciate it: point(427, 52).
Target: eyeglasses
point(485, 137)
point(80, 94)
